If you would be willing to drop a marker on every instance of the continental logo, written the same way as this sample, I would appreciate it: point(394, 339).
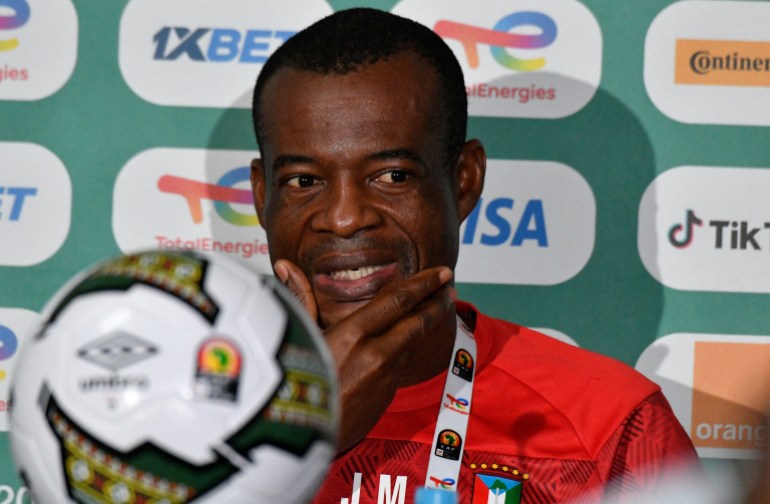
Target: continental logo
point(706, 60)
point(722, 63)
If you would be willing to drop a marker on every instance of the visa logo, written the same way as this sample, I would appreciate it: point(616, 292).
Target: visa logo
point(505, 226)
point(217, 44)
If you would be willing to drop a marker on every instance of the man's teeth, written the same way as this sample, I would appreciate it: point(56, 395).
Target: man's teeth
point(354, 274)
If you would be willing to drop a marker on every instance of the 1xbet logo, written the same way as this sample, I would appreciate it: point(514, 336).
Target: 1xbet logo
point(223, 193)
point(217, 44)
point(19, 17)
point(499, 39)
point(740, 234)
point(14, 199)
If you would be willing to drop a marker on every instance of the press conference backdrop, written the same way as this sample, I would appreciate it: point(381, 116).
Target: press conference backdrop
point(626, 208)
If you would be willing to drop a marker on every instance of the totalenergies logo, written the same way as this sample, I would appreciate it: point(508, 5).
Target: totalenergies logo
point(443, 483)
point(457, 404)
point(223, 193)
point(499, 38)
point(8, 346)
point(19, 17)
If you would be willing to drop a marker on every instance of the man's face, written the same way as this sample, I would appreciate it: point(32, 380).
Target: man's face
point(353, 185)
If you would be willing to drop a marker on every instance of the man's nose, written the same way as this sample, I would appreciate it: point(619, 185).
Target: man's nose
point(345, 209)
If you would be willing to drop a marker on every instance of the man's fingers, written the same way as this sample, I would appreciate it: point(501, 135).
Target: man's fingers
point(397, 304)
point(412, 330)
point(295, 280)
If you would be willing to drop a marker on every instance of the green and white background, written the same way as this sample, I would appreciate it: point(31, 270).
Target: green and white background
point(125, 125)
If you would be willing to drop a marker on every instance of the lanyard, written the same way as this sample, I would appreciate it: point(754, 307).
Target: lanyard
point(452, 423)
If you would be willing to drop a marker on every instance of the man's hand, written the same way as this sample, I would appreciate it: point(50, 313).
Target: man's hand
point(402, 336)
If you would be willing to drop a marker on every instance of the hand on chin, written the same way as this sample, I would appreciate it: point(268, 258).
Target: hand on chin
point(376, 341)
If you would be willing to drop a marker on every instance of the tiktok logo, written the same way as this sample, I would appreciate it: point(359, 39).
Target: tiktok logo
point(728, 233)
point(681, 235)
point(499, 38)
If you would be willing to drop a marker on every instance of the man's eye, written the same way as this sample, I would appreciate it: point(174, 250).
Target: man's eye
point(393, 177)
point(301, 181)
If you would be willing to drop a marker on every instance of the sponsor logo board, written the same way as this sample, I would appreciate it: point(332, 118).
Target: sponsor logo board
point(16, 325)
point(718, 387)
point(704, 229)
point(519, 59)
point(709, 62)
point(535, 224)
point(35, 204)
point(205, 54)
point(38, 47)
point(191, 199)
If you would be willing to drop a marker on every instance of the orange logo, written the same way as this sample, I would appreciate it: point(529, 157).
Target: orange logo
point(731, 395)
point(722, 63)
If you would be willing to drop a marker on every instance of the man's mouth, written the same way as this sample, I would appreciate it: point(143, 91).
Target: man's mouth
point(350, 275)
point(354, 284)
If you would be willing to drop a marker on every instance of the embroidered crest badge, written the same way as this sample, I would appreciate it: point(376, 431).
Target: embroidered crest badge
point(498, 485)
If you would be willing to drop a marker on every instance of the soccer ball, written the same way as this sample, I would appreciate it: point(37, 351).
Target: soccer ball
point(170, 377)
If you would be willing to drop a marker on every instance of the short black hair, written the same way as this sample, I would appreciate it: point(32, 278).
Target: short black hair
point(352, 39)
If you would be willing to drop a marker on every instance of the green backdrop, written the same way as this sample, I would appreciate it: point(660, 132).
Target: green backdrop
point(619, 142)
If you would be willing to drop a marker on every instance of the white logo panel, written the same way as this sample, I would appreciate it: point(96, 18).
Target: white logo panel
point(202, 53)
point(706, 62)
point(532, 58)
point(535, 224)
point(16, 325)
point(191, 199)
point(707, 229)
point(38, 47)
point(35, 204)
point(718, 386)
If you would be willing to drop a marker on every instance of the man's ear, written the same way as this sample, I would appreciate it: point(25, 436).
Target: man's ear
point(470, 170)
point(258, 182)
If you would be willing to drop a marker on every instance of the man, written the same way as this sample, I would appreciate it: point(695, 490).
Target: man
point(364, 178)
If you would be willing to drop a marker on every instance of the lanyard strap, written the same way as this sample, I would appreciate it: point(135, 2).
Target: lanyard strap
point(454, 412)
